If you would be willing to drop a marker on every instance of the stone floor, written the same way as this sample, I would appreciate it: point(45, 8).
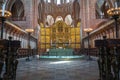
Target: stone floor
point(64, 69)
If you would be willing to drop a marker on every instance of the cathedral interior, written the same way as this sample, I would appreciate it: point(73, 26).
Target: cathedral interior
point(59, 40)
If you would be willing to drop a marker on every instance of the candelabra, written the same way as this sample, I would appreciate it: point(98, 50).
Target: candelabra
point(88, 30)
point(3, 16)
point(115, 13)
point(29, 34)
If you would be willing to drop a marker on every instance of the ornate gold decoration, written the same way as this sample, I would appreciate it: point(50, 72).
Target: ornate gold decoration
point(6, 14)
point(114, 11)
point(60, 35)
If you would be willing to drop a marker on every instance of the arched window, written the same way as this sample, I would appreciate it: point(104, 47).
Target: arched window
point(59, 18)
point(17, 10)
point(68, 19)
point(50, 20)
point(58, 2)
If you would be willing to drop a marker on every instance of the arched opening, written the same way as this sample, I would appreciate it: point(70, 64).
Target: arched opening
point(68, 19)
point(17, 10)
point(101, 8)
point(59, 18)
point(49, 20)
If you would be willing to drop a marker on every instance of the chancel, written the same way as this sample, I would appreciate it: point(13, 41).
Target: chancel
point(59, 39)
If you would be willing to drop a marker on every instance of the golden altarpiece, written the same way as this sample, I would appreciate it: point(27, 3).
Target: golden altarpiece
point(59, 35)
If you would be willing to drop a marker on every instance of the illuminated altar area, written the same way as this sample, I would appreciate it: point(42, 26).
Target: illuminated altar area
point(60, 39)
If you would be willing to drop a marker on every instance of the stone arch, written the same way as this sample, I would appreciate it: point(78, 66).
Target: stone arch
point(50, 20)
point(17, 9)
point(98, 5)
point(104, 9)
point(9, 4)
point(101, 8)
point(68, 19)
point(59, 18)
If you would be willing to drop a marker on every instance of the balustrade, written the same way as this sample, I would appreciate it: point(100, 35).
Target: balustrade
point(107, 29)
point(18, 34)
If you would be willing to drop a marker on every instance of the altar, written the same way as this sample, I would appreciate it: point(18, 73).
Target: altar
point(61, 52)
point(59, 38)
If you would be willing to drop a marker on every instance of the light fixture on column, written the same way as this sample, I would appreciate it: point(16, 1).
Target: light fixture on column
point(4, 14)
point(115, 13)
point(88, 30)
point(29, 31)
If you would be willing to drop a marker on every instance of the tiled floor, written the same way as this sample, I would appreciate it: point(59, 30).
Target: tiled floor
point(46, 69)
